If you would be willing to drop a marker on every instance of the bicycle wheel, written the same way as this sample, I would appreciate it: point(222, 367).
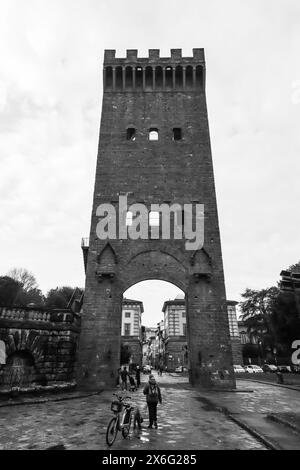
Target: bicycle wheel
point(112, 431)
point(126, 428)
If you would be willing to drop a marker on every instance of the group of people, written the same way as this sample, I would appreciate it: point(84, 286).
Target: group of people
point(151, 390)
point(126, 378)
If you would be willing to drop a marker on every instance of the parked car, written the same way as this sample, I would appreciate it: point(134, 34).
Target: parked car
point(179, 369)
point(284, 369)
point(269, 368)
point(238, 369)
point(256, 369)
point(253, 369)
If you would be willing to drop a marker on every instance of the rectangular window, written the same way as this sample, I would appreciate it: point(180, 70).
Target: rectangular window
point(127, 314)
point(183, 314)
point(177, 135)
point(184, 329)
point(127, 329)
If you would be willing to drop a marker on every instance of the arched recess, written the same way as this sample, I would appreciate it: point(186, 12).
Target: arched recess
point(154, 264)
point(106, 260)
point(19, 370)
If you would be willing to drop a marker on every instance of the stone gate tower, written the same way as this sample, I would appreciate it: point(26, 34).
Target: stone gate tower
point(154, 148)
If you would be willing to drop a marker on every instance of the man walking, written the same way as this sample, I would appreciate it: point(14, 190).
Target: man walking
point(138, 376)
point(153, 396)
point(124, 375)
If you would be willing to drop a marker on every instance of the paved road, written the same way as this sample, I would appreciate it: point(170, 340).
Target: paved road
point(184, 423)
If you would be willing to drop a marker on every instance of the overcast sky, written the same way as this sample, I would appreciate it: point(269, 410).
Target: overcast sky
point(50, 102)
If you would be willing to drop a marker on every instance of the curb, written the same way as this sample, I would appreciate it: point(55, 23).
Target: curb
point(284, 422)
point(271, 383)
point(269, 445)
point(38, 401)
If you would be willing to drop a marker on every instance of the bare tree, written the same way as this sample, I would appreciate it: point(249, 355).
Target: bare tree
point(24, 277)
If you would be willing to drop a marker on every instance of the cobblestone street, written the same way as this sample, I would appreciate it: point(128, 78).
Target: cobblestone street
point(184, 423)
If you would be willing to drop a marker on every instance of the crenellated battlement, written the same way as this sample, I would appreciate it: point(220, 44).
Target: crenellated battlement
point(153, 56)
point(154, 73)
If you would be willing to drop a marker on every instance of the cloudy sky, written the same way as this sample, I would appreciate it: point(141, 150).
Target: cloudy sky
point(50, 102)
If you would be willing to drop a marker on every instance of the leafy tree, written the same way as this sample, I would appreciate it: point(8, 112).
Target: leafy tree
point(257, 314)
point(33, 297)
point(9, 289)
point(295, 268)
point(59, 297)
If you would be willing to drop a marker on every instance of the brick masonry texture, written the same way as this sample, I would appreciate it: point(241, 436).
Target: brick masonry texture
point(155, 172)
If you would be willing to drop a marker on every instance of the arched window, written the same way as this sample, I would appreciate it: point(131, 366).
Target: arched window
point(119, 78)
point(139, 78)
point(108, 78)
point(199, 76)
point(2, 353)
point(153, 133)
point(169, 77)
point(128, 78)
point(189, 77)
point(178, 77)
point(158, 78)
point(149, 78)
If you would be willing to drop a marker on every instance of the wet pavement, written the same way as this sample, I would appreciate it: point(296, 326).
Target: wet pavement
point(186, 419)
point(184, 423)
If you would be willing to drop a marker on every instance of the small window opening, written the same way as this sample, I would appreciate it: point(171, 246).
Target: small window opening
point(153, 134)
point(177, 135)
point(154, 219)
point(130, 133)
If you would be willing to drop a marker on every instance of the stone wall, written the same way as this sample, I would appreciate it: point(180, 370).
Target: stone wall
point(40, 346)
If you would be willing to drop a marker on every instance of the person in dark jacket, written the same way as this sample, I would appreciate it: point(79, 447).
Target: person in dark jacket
point(124, 375)
point(138, 376)
point(153, 396)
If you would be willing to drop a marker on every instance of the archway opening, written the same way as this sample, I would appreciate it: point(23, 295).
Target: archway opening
point(19, 370)
point(154, 328)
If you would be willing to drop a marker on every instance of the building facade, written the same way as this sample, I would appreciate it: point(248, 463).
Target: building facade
point(131, 331)
point(175, 333)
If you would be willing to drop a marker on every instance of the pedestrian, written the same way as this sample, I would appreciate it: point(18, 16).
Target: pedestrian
point(153, 396)
point(138, 376)
point(118, 379)
point(124, 375)
point(161, 369)
point(132, 385)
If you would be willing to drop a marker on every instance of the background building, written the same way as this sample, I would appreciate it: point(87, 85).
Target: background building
point(131, 333)
point(175, 341)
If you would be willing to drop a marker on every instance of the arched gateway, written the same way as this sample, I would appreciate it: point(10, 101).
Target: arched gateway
point(154, 213)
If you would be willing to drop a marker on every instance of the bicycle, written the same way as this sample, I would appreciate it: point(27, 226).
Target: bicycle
point(121, 420)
